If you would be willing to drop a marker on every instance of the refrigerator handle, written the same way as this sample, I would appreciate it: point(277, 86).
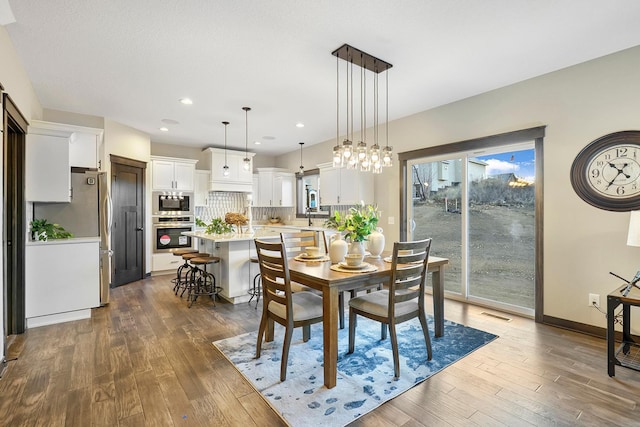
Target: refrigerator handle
point(109, 213)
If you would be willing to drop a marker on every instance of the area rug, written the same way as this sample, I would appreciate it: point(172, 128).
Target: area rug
point(365, 378)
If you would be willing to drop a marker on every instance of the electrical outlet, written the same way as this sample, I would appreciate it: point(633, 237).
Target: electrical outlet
point(594, 300)
point(391, 220)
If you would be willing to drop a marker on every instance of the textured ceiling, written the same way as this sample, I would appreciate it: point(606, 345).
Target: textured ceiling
point(130, 61)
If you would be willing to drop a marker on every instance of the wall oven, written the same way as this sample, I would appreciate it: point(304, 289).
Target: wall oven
point(167, 233)
point(170, 203)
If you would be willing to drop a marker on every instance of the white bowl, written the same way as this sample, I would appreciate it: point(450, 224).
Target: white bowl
point(353, 260)
point(312, 251)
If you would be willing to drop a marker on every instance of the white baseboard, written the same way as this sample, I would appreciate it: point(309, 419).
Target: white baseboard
point(51, 319)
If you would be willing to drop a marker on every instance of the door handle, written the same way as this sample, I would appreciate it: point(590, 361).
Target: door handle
point(139, 229)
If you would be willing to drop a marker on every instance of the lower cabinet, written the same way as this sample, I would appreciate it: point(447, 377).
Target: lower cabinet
point(62, 280)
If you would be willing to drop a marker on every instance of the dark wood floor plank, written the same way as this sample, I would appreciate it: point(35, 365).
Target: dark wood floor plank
point(155, 409)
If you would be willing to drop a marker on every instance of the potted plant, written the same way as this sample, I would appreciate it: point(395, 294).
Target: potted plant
point(216, 226)
point(358, 224)
point(41, 229)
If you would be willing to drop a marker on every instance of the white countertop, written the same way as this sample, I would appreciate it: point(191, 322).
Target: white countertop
point(260, 232)
point(71, 241)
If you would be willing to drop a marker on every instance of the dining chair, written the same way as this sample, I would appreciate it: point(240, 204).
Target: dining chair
point(280, 304)
point(296, 244)
point(402, 301)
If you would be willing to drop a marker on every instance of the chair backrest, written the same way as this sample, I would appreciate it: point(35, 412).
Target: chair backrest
point(409, 265)
point(296, 242)
point(274, 272)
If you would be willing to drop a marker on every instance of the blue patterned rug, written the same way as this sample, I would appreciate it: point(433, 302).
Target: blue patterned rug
point(365, 378)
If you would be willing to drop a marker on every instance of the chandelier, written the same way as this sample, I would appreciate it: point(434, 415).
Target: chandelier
point(347, 153)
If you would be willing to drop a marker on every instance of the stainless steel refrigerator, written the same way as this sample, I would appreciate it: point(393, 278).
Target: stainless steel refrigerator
point(87, 215)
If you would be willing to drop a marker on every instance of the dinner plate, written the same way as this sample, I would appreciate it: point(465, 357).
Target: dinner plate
point(306, 256)
point(356, 267)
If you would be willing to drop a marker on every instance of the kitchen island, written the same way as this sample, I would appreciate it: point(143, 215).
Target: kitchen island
point(235, 272)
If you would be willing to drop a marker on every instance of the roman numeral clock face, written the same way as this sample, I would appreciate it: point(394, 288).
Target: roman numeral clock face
point(606, 173)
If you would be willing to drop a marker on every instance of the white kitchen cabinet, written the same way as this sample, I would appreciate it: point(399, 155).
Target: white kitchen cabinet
point(173, 174)
point(54, 292)
point(276, 188)
point(51, 150)
point(201, 192)
point(83, 150)
point(341, 186)
point(239, 179)
point(47, 171)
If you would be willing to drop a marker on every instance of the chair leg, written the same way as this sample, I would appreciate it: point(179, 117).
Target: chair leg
point(306, 333)
point(383, 331)
point(352, 331)
point(425, 331)
point(394, 349)
point(261, 329)
point(341, 310)
point(285, 353)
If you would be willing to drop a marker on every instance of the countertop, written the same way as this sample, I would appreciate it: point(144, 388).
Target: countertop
point(71, 241)
point(260, 232)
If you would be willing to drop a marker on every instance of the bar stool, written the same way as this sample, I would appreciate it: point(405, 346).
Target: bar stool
point(183, 283)
point(256, 288)
point(176, 280)
point(201, 281)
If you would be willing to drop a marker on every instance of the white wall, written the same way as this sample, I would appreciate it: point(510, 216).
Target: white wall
point(577, 104)
point(16, 83)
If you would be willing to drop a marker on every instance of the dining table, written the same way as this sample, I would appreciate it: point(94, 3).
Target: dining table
point(320, 276)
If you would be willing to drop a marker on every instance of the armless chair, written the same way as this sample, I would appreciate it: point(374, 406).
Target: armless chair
point(280, 304)
point(296, 244)
point(402, 301)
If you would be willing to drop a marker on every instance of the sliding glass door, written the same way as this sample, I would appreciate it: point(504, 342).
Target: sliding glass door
point(479, 208)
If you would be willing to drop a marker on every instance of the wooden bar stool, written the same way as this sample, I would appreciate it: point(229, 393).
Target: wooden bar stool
point(181, 269)
point(184, 282)
point(202, 282)
point(256, 288)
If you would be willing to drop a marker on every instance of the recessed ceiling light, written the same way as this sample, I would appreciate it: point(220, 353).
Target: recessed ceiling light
point(186, 101)
point(164, 129)
point(257, 143)
point(299, 125)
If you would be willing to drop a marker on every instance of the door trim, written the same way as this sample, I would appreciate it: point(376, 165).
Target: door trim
point(535, 134)
point(125, 161)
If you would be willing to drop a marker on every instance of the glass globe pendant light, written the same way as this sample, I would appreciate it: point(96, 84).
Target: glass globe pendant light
point(246, 162)
point(225, 168)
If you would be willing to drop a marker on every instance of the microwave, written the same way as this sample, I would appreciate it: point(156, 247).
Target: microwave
point(172, 203)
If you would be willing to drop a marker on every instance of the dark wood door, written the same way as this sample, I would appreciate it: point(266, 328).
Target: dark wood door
point(127, 232)
point(14, 229)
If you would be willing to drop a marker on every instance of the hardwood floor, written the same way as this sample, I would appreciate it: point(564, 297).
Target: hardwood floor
point(147, 360)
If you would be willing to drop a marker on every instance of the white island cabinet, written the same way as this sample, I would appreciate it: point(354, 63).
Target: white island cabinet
point(235, 271)
point(62, 280)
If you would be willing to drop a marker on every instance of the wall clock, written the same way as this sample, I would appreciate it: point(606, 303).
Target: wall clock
point(606, 173)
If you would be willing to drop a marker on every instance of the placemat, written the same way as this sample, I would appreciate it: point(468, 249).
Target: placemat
point(304, 259)
point(368, 269)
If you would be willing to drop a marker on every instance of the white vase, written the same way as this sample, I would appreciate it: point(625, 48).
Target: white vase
point(356, 248)
point(337, 249)
point(375, 243)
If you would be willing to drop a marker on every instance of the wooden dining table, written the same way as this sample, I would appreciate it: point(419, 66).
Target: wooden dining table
point(320, 276)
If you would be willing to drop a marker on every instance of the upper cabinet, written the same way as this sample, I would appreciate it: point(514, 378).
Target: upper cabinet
point(172, 174)
point(342, 186)
point(51, 150)
point(275, 188)
point(201, 193)
point(239, 179)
